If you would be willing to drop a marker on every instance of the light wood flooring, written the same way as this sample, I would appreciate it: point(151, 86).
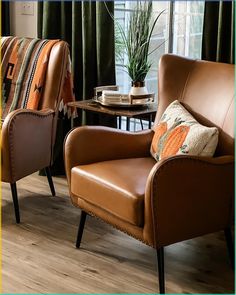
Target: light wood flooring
point(39, 255)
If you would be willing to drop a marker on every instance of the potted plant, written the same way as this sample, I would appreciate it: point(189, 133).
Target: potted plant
point(136, 42)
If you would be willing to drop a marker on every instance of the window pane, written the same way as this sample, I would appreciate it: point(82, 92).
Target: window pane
point(187, 28)
point(159, 42)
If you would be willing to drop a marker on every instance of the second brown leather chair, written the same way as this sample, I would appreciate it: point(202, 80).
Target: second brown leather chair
point(28, 135)
point(111, 174)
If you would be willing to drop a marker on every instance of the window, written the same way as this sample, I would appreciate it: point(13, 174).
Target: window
point(178, 30)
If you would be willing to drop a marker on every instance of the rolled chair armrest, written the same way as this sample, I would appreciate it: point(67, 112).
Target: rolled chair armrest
point(189, 196)
point(26, 142)
point(90, 144)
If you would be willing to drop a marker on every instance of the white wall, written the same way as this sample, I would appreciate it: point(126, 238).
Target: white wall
point(23, 25)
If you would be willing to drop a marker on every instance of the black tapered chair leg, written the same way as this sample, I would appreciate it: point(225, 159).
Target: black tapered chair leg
point(81, 228)
point(230, 246)
point(160, 262)
point(50, 182)
point(15, 201)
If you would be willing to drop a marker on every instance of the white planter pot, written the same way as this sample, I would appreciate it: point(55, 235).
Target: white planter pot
point(138, 88)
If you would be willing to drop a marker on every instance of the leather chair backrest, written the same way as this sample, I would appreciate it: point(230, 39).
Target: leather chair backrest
point(55, 73)
point(206, 89)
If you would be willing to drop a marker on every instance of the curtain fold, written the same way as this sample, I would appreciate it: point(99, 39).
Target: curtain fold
point(5, 19)
point(218, 31)
point(89, 30)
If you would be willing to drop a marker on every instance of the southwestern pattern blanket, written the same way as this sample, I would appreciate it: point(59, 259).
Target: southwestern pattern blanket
point(24, 64)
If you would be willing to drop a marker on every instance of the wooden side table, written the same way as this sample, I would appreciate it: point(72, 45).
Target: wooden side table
point(147, 112)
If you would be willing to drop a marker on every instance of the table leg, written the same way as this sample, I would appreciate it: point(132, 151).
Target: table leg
point(71, 122)
point(150, 122)
point(120, 121)
point(141, 122)
point(128, 124)
point(83, 117)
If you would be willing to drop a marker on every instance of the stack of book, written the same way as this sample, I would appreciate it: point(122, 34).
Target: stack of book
point(116, 98)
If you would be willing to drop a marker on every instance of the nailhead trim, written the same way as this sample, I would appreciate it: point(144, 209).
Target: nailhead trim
point(117, 227)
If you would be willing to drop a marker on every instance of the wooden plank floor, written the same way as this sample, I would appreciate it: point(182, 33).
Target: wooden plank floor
point(39, 254)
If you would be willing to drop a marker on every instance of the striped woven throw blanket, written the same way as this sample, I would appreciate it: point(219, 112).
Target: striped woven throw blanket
point(24, 63)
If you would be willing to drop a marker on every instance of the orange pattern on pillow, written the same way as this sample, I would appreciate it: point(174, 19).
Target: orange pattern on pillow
point(174, 141)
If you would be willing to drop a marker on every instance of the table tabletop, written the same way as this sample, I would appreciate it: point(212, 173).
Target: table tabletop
point(132, 112)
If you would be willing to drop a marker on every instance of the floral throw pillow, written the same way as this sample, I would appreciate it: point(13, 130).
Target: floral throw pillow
point(179, 133)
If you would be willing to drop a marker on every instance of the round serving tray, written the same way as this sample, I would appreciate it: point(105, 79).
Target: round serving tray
point(136, 102)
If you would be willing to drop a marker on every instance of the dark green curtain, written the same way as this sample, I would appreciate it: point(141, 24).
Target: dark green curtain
point(5, 19)
point(218, 31)
point(89, 30)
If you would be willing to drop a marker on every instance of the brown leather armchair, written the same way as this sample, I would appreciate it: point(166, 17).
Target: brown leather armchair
point(28, 135)
point(111, 174)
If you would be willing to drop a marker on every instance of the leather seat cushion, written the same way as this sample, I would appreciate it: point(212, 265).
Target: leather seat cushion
point(116, 186)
